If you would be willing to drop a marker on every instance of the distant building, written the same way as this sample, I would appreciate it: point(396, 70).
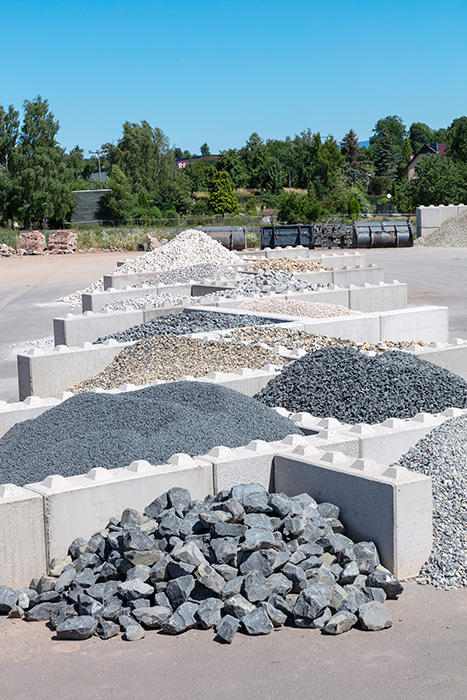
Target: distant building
point(183, 162)
point(90, 206)
point(437, 149)
point(103, 176)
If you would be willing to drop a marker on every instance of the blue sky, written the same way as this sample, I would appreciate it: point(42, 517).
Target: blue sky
point(217, 71)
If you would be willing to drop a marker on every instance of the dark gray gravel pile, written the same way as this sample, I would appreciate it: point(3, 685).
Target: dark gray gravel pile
point(242, 560)
point(102, 430)
point(356, 388)
point(187, 322)
point(442, 454)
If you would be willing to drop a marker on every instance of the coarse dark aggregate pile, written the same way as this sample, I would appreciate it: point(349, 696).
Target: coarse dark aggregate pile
point(442, 455)
point(111, 430)
point(244, 560)
point(187, 322)
point(355, 388)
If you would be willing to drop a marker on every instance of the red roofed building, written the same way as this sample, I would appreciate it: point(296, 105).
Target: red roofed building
point(437, 149)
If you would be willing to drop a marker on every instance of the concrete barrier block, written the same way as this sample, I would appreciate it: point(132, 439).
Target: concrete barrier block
point(22, 538)
point(378, 297)
point(359, 328)
point(82, 505)
point(358, 275)
point(452, 357)
point(425, 323)
point(392, 509)
point(98, 300)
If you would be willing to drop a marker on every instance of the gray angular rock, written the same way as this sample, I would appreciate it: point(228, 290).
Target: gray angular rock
point(258, 520)
point(8, 598)
point(235, 509)
point(229, 529)
point(385, 580)
point(337, 597)
point(322, 620)
point(232, 587)
point(258, 538)
point(280, 584)
point(133, 589)
point(16, 612)
point(144, 557)
point(349, 573)
point(277, 617)
point(256, 561)
point(374, 616)
point(227, 628)
point(377, 594)
point(175, 569)
point(41, 612)
point(257, 622)
point(225, 550)
point(45, 584)
point(133, 538)
point(257, 587)
point(77, 547)
point(280, 504)
point(179, 499)
point(296, 575)
point(238, 606)
point(133, 632)
point(311, 602)
point(183, 619)
point(140, 571)
point(103, 591)
point(178, 590)
point(209, 578)
point(209, 613)
point(85, 578)
point(57, 566)
point(227, 572)
point(157, 506)
point(162, 600)
point(242, 491)
point(279, 602)
point(88, 606)
point(65, 579)
point(340, 622)
point(152, 617)
point(367, 557)
point(169, 526)
point(190, 554)
point(294, 525)
point(107, 629)
point(77, 627)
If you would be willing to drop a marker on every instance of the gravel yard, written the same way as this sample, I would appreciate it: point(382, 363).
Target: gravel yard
point(355, 388)
point(171, 357)
point(442, 455)
point(186, 322)
point(112, 430)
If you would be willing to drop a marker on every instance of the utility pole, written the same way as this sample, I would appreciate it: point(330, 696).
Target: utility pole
point(97, 153)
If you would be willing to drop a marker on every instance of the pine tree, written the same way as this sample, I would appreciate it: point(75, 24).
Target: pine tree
point(384, 156)
point(222, 199)
point(354, 207)
point(350, 148)
point(121, 202)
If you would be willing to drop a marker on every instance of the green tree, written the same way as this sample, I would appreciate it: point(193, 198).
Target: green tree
point(384, 156)
point(254, 157)
point(205, 150)
point(350, 148)
point(231, 161)
point(440, 181)
point(392, 126)
point(457, 140)
point(291, 208)
point(42, 186)
point(275, 177)
point(6, 188)
point(222, 199)
point(121, 202)
point(9, 130)
point(420, 134)
point(440, 135)
point(354, 207)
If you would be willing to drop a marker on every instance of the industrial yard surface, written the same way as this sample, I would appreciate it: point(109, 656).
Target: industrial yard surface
point(422, 656)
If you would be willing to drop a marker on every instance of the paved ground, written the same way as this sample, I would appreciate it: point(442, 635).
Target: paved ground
point(422, 657)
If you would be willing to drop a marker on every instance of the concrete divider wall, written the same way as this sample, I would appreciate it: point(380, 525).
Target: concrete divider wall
point(430, 218)
point(96, 301)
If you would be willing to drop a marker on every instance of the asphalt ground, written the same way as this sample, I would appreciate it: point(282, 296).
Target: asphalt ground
point(422, 657)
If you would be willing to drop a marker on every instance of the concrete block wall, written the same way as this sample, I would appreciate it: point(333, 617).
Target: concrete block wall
point(430, 218)
point(334, 259)
point(96, 301)
point(22, 543)
point(389, 505)
point(450, 356)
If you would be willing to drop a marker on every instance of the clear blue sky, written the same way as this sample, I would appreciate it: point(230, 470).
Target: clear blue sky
point(216, 71)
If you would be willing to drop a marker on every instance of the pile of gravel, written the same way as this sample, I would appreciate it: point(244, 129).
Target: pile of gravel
point(171, 357)
point(442, 455)
point(187, 322)
point(297, 308)
point(112, 430)
point(451, 234)
point(196, 273)
point(244, 560)
point(355, 388)
point(151, 301)
point(190, 247)
point(288, 265)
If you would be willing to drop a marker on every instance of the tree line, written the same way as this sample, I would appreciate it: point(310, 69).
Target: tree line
point(304, 178)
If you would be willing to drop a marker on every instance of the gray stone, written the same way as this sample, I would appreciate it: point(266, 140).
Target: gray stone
point(241, 492)
point(238, 606)
point(257, 587)
point(297, 576)
point(175, 569)
point(16, 612)
point(340, 622)
point(57, 566)
point(77, 627)
point(140, 571)
point(235, 509)
point(178, 590)
point(232, 587)
point(145, 557)
point(374, 616)
point(133, 538)
point(225, 550)
point(49, 597)
point(23, 600)
point(279, 602)
point(112, 609)
point(159, 570)
point(103, 591)
point(41, 612)
point(281, 504)
point(229, 529)
point(257, 622)
point(179, 499)
point(227, 572)
point(258, 538)
point(367, 557)
point(311, 602)
point(77, 547)
point(184, 618)
point(88, 606)
point(152, 617)
point(258, 520)
point(45, 583)
point(130, 516)
point(385, 580)
point(328, 510)
point(294, 525)
point(8, 598)
point(256, 561)
point(85, 578)
point(209, 613)
point(157, 506)
point(337, 596)
point(65, 579)
point(349, 573)
point(169, 526)
point(280, 584)
point(162, 600)
point(133, 632)
point(377, 594)
point(227, 628)
point(209, 578)
point(131, 590)
point(191, 554)
point(321, 621)
point(277, 617)
point(107, 629)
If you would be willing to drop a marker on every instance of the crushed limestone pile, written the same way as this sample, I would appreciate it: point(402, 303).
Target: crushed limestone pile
point(442, 455)
point(451, 234)
point(345, 384)
point(243, 561)
point(288, 265)
point(296, 308)
point(112, 430)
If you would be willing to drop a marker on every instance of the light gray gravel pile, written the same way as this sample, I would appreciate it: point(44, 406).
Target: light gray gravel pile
point(442, 455)
point(190, 247)
point(148, 302)
point(297, 308)
point(244, 560)
point(112, 430)
point(186, 322)
point(196, 273)
point(355, 388)
point(451, 234)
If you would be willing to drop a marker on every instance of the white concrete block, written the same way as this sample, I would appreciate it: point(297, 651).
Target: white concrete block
point(22, 538)
point(425, 323)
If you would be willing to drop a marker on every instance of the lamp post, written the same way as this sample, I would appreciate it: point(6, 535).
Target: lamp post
point(97, 153)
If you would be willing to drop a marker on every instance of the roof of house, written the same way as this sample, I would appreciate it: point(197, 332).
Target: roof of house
point(434, 148)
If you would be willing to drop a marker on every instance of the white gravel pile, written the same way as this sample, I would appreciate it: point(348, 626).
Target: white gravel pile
point(150, 301)
point(74, 299)
point(190, 247)
point(296, 308)
point(452, 234)
point(196, 273)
